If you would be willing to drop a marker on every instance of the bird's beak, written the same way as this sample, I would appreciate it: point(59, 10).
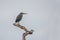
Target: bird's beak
point(24, 13)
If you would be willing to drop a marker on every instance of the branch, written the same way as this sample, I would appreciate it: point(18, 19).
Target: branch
point(25, 29)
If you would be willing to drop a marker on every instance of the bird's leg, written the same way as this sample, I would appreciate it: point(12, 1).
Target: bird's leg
point(15, 23)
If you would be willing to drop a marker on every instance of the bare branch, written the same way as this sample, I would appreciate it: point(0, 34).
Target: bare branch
point(25, 29)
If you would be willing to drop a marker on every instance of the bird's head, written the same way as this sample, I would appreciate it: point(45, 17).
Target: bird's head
point(23, 13)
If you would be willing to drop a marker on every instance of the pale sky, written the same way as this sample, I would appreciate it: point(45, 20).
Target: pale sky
point(43, 17)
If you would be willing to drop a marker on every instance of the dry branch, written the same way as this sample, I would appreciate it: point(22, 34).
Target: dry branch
point(25, 29)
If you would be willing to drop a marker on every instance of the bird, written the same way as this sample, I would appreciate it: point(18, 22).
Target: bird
point(19, 17)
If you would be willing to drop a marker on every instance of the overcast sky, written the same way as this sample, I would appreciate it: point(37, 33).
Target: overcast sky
point(43, 16)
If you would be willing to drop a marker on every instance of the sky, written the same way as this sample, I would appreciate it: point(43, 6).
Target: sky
point(43, 17)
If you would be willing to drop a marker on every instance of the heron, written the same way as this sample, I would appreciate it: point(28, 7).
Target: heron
point(19, 17)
